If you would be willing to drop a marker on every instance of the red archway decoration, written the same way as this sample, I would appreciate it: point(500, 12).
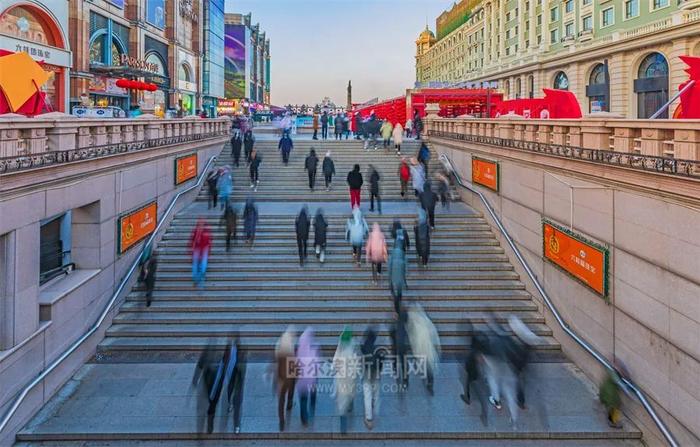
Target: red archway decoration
point(49, 23)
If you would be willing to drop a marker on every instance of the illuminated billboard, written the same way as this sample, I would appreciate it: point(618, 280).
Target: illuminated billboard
point(236, 42)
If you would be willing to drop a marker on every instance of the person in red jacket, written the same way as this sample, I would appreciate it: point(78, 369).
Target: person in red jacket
point(404, 176)
point(200, 243)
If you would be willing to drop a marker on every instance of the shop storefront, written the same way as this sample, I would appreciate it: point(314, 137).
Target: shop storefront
point(157, 102)
point(29, 28)
point(188, 90)
point(104, 92)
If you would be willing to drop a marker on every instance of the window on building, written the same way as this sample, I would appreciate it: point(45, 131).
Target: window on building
point(651, 85)
point(569, 5)
point(587, 23)
point(569, 29)
point(507, 34)
point(608, 17)
point(539, 39)
point(554, 36)
point(598, 90)
point(554, 14)
point(507, 51)
point(54, 246)
point(518, 88)
point(516, 29)
point(631, 8)
point(539, 19)
point(561, 81)
point(660, 4)
point(508, 16)
point(531, 86)
point(587, 2)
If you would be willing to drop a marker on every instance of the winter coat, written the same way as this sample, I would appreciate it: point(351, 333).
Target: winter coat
point(338, 124)
point(311, 163)
point(374, 182)
point(308, 355)
point(428, 199)
point(399, 335)
point(255, 162)
point(284, 353)
point(372, 357)
point(212, 181)
point(286, 144)
point(356, 228)
point(376, 246)
point(229, 219)
point(396, 228)
point(320, 230)
point(409, 124)
point(302, 225)
point(248, 142)
point(424, 338)
point(236, 145)
point(418, 176)
point(397, 134)
point(328, 166)
point(355, 179)
point(424, 154)
point(422, 235)
point(200, 239)
point(397, 265)
point(225, 184)
point(250, 217)
point(404, 172)
point(315, 124)
point(324, 119)
point(150, 278)
point(418, 123)
point(346, 354)
point(386, 129)
point(358, 124)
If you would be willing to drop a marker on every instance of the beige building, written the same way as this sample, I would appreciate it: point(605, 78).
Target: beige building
point(528, 45)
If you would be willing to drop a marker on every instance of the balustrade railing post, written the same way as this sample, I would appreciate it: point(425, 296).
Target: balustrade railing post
point(63, 135)
point(35, 140)
point(99, 135)
point(686, 144)
point(623, 138)
point(652, 141)
point(595, 134)
point(559, 134)
point(544, 133)
point(10, 142)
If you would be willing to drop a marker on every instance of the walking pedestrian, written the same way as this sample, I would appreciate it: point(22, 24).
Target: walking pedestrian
point(397, 135)
point(324, 125)
point(609, 395)
point(255, 161)
point(358, 126)
point(401, 346)
point(422, 235)
point(417, 124)
point(444, 190)
point(200, 243)
point(355, 232)
point(355, 183)
point(346, 126)
point(425, 342)
point(302, 225)
point(315, 126)
point(285, 146)
point(499, 372)
point(320, 230)
point(404, 176)
point(229, 219)
point(398, 268)
point(376, 252)
point(212, 180)
point(248, 142)
point(386, 130)
point(250, 221)
point(310, 165)
point(409, 127)
point(338, 127)
point(345, 355)
point(428, 200)
point(307, 356)
point(396, 229)
point(374, 189)
point(149, 276)
point(284, 356)
point(519, 348)
point(225, 186)
point(424, 156)
point(473, 372)
point(417, 176)
point(236, 145)
point(235, 363)
point(208, 377)
point(372, 363)
point(328, 168)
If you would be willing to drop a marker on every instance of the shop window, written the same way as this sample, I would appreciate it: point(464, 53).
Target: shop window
point(598, 90)
point(561, 81)
point(185, 73)
point(530, 86)
point(54, 247)
point(97, 50)
point(651, 86)
point(27, 23)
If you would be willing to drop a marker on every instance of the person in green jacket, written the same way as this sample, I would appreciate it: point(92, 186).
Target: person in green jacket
point(609, 395)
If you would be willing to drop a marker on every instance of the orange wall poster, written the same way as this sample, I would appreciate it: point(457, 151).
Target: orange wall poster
point(584, 260)
point(185, 168)
point(137, 225)
point(485, 173)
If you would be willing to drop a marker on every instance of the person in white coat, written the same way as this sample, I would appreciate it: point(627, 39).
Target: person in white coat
point(397, 135)
point(425, 342)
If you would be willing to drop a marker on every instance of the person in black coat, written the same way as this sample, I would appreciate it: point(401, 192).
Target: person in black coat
point(229, 219)
point(212, 181)
point(209, 369)
point(374, 178)
point(324, 125)
point(302, 225)
point(328, 170)
point(422, 234)
point(149, 276)
point(236, 145)
point(355, 183)
point(428, 200)
point(235, 361)
point(248, 142)
point(401, 345)
point(310, 164)
point(320, 231)
point(397, 228)
point(254, 167)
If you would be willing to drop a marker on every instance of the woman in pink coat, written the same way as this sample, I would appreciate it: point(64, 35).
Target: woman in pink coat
point(376, 251)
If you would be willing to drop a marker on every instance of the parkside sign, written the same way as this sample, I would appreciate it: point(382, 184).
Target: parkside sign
point(138, 63)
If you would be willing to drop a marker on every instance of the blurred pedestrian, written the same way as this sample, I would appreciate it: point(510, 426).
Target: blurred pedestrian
point(148, 273)
point(315, 126)
point(346, 126)
point(355, 232)
point(499, 372)
point(358, 126)
point(519, 353)
point(338, 127)
point(250, 221)
point(310, 165)
point(302, 225)
point(376, 251)
point(373, 358)
point(398, 268)
point(324, 125)
point(236, 145)
point(200, 243)
point(398, 230)
point(248, 142)
point(424, 156)
point(285, 147)
point(212, 180)
point(386, 130)
point(422, 234)
point(285, 356)
point(355, 183)
point(472, 372)
point(609, 395)
point(409, 127)
point(397, 135)
point(428, 200)
point(425, 342)
point(417, 124)
point(443, 190)
point(374, 189)
point(404, 176)
point(328, 168)
point(235, 378)
point(230, 220)
point(255, 161)
point(401, 347)
point(320, 230)
point(417, 176)
point(225, 186)
point(307, 356)
point(345, 356)
point(208, 377)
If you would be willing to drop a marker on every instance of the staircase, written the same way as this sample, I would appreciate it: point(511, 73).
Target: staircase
point(256, 293)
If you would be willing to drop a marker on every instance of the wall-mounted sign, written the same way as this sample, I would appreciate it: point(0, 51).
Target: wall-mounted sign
point(584, 260)
point(132, 62)
point(185, 168)
point(187, 10)
point(485, 173)
point(137, 225)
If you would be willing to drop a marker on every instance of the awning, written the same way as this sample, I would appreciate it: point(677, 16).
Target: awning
point(117, 71)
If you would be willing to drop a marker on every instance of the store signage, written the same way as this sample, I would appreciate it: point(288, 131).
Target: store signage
point(140, 64)
point(485, 173)
point(187, 10)
point(38, 52)
point(185, 168)
point(584, 260)
point(137, 225)
point(100, 84)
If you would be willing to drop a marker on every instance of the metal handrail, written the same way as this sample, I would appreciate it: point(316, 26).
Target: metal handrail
point(18, 401)
point(552, 308)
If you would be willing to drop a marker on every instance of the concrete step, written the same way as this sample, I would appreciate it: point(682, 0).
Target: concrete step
point(263, 265)
point(288, 251)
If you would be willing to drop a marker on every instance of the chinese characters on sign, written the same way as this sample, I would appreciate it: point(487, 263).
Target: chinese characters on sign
point(137, 225)
point(185, 168)
point(354, 368)
point(583, 260)
point(485, 173)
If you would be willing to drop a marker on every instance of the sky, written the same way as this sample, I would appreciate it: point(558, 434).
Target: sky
point(316, 46)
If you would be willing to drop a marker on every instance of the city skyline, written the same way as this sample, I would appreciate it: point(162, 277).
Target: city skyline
point(361, 63)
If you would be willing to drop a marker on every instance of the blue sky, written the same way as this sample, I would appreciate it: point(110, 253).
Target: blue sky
point(318, 45)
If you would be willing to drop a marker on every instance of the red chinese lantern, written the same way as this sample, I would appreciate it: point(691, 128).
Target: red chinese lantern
point(133, 85)
point(152, 87)
point(123, 83)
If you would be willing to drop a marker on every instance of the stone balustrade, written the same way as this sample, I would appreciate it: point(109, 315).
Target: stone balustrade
point(56, 137)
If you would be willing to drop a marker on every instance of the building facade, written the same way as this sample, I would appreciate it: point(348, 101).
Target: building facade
point(213, 62)
point(152, 41)
point(618, 56)
point(40, 29)
point(247, 62)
